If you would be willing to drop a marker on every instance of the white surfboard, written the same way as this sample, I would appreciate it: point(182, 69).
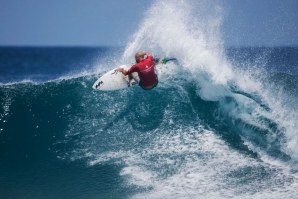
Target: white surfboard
point(115, 80)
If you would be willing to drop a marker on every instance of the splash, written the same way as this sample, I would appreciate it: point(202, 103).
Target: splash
point(183, 29)
point(170, 29)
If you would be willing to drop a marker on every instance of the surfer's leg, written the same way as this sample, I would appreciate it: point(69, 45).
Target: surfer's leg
point(151, 87)
point(130, 77)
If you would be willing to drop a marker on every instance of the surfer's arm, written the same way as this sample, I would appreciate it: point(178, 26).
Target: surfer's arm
point(148, 54)
point(132, 69)
point(122, 70)
point(157, 61)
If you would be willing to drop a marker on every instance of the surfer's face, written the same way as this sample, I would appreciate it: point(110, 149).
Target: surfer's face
point(138, 58)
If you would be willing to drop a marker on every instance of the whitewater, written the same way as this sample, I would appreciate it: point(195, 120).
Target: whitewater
point(213, 128)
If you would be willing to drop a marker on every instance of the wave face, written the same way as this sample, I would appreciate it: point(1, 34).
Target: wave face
point(222, 123)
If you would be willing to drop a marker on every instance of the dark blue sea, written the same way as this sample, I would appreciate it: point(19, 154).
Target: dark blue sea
point(222, 122)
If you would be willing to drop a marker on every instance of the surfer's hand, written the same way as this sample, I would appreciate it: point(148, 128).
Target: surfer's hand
point(122, 70)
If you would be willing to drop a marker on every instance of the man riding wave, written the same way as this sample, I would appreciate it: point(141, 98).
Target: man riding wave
point(145, 68)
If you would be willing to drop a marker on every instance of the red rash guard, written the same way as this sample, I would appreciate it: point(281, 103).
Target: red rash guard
point(145, 70)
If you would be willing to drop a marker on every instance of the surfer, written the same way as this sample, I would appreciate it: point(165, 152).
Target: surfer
point(145, 68)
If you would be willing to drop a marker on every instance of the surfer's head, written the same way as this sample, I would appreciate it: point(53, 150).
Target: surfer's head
point(139, 56)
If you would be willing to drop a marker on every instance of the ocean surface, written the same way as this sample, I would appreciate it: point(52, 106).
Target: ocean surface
point(222, 122)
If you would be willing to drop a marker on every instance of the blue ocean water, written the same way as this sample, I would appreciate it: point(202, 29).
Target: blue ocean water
point(222, 122)
point(61, 139)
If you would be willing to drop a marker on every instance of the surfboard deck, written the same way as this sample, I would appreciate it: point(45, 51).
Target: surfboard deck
point(115, 80)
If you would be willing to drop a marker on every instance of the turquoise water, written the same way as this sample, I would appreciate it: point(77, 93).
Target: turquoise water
point(222, 123)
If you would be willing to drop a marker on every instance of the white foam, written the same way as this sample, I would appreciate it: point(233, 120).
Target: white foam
point(286, 116)
point(195, 163)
